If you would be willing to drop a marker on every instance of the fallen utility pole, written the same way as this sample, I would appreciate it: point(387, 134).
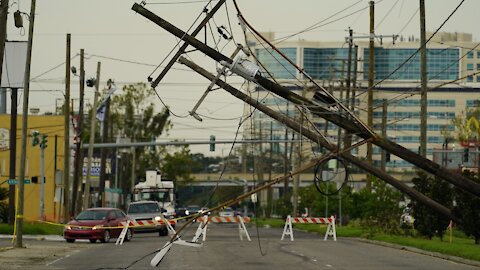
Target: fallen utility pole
point(318, 138)
point(324, 112)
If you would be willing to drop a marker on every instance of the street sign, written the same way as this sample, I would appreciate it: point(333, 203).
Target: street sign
point(14, 181)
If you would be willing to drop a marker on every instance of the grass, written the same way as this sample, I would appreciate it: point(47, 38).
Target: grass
point(33, 228)
point(461, 245)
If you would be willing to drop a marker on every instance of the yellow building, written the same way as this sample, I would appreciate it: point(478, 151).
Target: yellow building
point(53, 127)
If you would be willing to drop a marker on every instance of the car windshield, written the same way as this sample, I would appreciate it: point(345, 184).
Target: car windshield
point(143, 208)
point(92, 215)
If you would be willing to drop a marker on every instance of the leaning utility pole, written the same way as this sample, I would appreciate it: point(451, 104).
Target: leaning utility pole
point(371, 70)
point(350, 123)
point(423, 77)
point(23, 156)
point(316, 137)
point(66, 135)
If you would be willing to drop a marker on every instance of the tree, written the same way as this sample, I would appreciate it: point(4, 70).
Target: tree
point(427, 222)
point(378, 207)
point(177, 166)
point(133, 114)
point(468, 210)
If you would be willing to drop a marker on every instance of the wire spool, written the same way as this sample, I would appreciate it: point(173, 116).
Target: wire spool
point(333, 169)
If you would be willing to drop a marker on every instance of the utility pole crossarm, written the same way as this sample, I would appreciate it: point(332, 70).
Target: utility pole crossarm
point(181, 50)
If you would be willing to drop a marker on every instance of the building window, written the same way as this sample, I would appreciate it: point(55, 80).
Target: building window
point(478, 78)
point(470, 66)
point(478, 54)
point(470, 55)
point(470, 78)
point(276, 64)
point(439, 64)
point(478, 66)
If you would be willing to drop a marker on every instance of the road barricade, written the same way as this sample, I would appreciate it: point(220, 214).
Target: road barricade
point(203, 221)
point(145, 224)
point(331, 231)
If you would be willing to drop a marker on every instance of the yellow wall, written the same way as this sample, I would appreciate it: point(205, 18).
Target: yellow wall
point(45, 124)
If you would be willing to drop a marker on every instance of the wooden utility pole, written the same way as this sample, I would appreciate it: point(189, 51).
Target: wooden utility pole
point(351, 125)
point(3, 32)
point(348, 137)
point(384, 133)
point(371, 70)
point(423, 77)
point(314, 136)
point(13, 154)
point(93, 125)
point(23, 156)
point(66, 135)
point(77, 178)
point(103, 155)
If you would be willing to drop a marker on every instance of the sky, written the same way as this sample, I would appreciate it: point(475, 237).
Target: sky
point(130, 47)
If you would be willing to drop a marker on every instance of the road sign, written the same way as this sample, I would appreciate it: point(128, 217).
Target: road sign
point(14, 181)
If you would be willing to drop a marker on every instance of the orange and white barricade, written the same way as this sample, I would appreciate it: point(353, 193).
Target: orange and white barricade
point(287, 229)
point(203, 221)
point(145, 223)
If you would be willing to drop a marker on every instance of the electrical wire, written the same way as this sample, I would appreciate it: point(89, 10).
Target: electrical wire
point(386, 15)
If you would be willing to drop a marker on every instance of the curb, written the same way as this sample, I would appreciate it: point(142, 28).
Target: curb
point(36, 237)
point(420, 251)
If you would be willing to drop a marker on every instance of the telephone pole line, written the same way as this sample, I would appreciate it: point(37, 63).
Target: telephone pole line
point(23, 156)
point(423, 77)
point(66, 134)
point(371, 67)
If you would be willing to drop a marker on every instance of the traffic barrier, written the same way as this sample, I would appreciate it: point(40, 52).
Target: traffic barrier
point(145, 223)
point(331, 231)
point(203, 221)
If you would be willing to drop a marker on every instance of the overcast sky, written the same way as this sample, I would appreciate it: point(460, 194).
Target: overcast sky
point(110, 32)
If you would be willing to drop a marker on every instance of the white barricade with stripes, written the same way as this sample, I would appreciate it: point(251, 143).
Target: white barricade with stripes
point(287, 229)
point(143, 224)
point(202, 227)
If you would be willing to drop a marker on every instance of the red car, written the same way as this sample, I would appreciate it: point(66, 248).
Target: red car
point(97, 224)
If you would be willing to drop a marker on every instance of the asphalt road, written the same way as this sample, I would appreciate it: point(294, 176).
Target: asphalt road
point(224, 250)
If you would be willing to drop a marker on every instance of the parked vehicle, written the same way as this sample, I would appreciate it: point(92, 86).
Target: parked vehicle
point(97, 224)
point(147, 211)
point(226, 212)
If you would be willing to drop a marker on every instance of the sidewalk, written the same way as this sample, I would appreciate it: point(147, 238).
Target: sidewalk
point(39, 251)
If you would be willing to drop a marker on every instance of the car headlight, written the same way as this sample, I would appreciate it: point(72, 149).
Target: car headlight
point(68, 227)
point(187, 212)
point(96, 227)
point(158, 218)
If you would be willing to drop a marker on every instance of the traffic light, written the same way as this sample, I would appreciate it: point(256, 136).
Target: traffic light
point(387, 157)
point(43, 143)
point(91, 82)
point(465, 154)
point(35, 139)
point(212, 143)
point(34, 179)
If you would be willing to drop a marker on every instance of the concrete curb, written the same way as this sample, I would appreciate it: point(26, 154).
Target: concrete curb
point(36, 237)
point(420, 251)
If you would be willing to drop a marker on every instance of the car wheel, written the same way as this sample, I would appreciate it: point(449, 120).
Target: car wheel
point(106, 237)
point(92, 240)
point(70, 240)
point(128, 235)
point(163, 232)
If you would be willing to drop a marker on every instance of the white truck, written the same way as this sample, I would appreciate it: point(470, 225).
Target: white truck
point(156, 189)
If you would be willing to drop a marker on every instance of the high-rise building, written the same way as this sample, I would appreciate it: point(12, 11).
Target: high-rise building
point(453, 72)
